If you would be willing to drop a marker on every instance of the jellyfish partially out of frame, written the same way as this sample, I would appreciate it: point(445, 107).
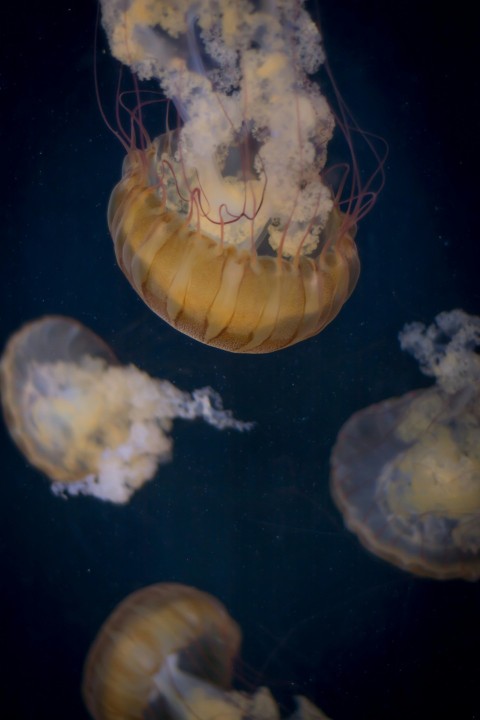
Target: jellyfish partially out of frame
point(167, 652)
point(227, 226)
point(92, 426)
point(406, 472)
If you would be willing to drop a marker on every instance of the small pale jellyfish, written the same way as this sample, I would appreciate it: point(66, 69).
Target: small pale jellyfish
point(167, 653)
point(92, 426)
point(406, 472)
point(227, 226)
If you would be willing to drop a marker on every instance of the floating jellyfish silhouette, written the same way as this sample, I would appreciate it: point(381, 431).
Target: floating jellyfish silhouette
point(167, 652)
point(91, 425)
point(406, 472)
point(225, 226)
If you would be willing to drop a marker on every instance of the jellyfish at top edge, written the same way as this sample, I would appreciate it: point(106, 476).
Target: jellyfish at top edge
point(92, 426)
point(406, 472)
point(167, 652)
point(227, 226)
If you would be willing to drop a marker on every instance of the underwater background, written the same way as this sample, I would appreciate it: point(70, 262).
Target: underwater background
point(246, 517)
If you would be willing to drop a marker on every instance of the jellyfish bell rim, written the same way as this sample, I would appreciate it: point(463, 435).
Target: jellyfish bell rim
point(104, 350)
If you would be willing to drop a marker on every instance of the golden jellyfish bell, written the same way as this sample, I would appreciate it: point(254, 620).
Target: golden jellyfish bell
point(230, 298)
point(39, 344)
point(406, 472)
point(123, 670)
point(226, 227)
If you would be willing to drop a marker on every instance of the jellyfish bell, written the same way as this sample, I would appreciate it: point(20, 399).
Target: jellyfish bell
point(413, 500)
point(406, 472)
point(127, 658)
point(52, 339)
point(167, 652)
point(91, 425)
point(225, 226)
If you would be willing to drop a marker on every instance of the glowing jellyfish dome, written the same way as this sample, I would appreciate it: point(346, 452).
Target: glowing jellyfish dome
point(227, 226)
point(406, 472)
point(167, 653)
point(92, 426)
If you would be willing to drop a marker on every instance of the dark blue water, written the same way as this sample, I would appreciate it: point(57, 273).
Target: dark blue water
point(245, 517)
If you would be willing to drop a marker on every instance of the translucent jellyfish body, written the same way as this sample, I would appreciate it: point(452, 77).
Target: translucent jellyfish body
point(225, 226)
point(406, 472)
point(91, 425)
point(167, 653)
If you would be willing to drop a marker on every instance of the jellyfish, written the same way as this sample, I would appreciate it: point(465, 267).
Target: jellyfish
point(167, 652)
point(226, 226)
point(406, 472)
point(92, 426)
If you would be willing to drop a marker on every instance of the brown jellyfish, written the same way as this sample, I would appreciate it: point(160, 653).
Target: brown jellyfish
point(91, 425)
point(167, 653)
point(227, 227)
point(406, 472)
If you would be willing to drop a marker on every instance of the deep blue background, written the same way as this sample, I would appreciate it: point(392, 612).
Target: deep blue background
point(245, 517)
